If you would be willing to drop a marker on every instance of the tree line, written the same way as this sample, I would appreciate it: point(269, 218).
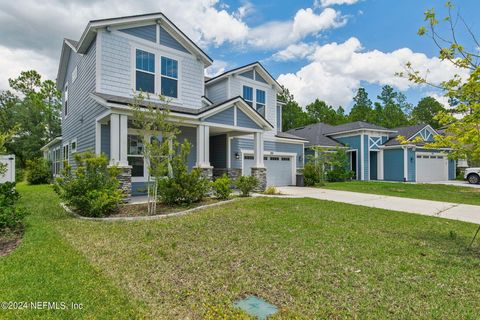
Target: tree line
point(390, 111)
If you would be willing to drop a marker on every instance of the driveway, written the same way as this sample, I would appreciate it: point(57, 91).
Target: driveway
point(447, 210)
point(458, 183)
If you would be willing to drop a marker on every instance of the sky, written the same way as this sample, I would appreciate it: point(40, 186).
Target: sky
point(323, 49)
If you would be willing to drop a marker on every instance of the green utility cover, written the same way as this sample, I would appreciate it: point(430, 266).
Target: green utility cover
point(256, 307)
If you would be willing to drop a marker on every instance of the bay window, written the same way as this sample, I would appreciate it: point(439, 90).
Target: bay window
point(169, 77)
point(144, 71)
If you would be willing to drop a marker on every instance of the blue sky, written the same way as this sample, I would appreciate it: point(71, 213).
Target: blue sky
point(321, 49)
point(384, 25)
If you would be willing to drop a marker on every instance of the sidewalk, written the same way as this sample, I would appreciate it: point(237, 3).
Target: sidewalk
point(447, 210)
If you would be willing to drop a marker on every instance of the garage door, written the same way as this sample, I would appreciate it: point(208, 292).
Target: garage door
point(431, 167)
point(279, 169)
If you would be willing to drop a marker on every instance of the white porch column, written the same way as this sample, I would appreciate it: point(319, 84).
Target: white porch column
point(118, 139)
point(380, 164)
point(203, 146)
point(258, 149)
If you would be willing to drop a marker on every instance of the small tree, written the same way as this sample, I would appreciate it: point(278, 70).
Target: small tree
point(339, 166)
point(158, 136)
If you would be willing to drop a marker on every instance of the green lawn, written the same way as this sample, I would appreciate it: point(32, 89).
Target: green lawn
point(436, 192)
point(313, 259)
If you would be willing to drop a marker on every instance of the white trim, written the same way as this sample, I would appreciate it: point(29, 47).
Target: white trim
point(98, 62)
point(266, 153)
point(229, 150)
point(362, 157)
point(54, 141)
point(263, 73)
point(235, 115)
point(428, 127)
point(380, 164)
point(356, 132)
point(98, 138)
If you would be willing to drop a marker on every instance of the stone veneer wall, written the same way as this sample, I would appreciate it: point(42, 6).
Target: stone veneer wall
point(261, 175)
point(125, 180)
point(232, 173)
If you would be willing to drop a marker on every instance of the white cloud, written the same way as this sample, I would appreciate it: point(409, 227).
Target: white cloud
point(328, 3)
point(294, 51)
point(216, 68)
point(306, 22)
point(335, 71)
point(440, 98)
point(12, 62)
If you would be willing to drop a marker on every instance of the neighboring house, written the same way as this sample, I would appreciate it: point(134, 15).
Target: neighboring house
point(375, 153)
point(233, 120)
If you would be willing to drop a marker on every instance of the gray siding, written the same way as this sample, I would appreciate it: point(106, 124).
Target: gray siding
point(279, 119)
point(224, 117)
point(242, 143)
point(247, 74)
point(145, 32)
point(82, 109)
point(218, 92)
point(218, 151)
point(168, 41)
point(260, 78)
point(189, 134)
point(244, 121)
point(117, 66)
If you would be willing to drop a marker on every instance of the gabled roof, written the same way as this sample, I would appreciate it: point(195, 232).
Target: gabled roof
point(52, 142)
point(315, 134)
point(408, 132)
point(354, 126)
point(286, 135)
point(258, 67)
point(90, 32)
point(67, 46)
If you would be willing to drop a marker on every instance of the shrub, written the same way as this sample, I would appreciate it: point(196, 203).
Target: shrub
point(92, 188)
point(222, 187)
point(38, 171)
point(271, 190)
point(11, 217)
point(313, 174)
point(246, 184)
point(182, 187)
point(8, 194)
point(339, 175)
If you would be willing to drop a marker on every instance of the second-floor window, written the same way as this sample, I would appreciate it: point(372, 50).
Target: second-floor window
point(248, 95)
point(169, 79)
point(260, 97)
point(145, 71)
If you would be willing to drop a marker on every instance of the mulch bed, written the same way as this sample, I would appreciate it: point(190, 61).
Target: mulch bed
point(138, 210)
point(9, 240)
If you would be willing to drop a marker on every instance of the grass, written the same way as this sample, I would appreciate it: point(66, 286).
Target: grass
point(45, 267)
point(311, 258)
point(436, 192)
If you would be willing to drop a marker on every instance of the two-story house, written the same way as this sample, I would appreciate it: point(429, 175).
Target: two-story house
point(233, 120)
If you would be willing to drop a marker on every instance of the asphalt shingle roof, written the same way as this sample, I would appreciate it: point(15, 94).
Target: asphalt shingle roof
point(407, 132)
point(357, 125)
point(315, 134)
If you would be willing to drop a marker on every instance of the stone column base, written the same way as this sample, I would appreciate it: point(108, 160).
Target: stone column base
point(207, 173)
point(232, 173)
point(261, 175)
point(125, 180)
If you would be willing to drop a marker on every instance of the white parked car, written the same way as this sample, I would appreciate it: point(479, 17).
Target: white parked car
point(472, 175)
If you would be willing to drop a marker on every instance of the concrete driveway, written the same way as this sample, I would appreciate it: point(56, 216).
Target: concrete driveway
point(457, 183)
point(447, 210)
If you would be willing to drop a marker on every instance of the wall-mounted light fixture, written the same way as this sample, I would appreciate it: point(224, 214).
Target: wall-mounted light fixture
point(300, 158)
point(237, 156)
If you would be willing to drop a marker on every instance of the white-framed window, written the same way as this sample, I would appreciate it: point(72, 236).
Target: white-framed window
point(66, 154)
point(248, 95)
point(135, 155)
point(74, 74)
point(56, 160)
point(169, 77)
point(65, 98)
point(73, 145)
point(260, 101)
point(144, 71)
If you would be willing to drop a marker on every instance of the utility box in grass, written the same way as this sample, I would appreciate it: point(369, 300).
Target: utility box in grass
point(9, 175)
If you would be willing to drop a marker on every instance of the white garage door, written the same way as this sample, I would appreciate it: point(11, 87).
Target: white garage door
point(431, 167)
point(279, 169)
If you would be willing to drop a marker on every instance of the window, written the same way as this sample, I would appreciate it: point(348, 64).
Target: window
point(260, 105)
point(65, 98)
point(285, 159)
point(74, 74)
point(169, 77)
point(248, 95)
point(248, 157)
point(65, 152)
point(135, 155)
point(274, 158)
point(73, 146)
point(56, 161)
point(145, 71)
